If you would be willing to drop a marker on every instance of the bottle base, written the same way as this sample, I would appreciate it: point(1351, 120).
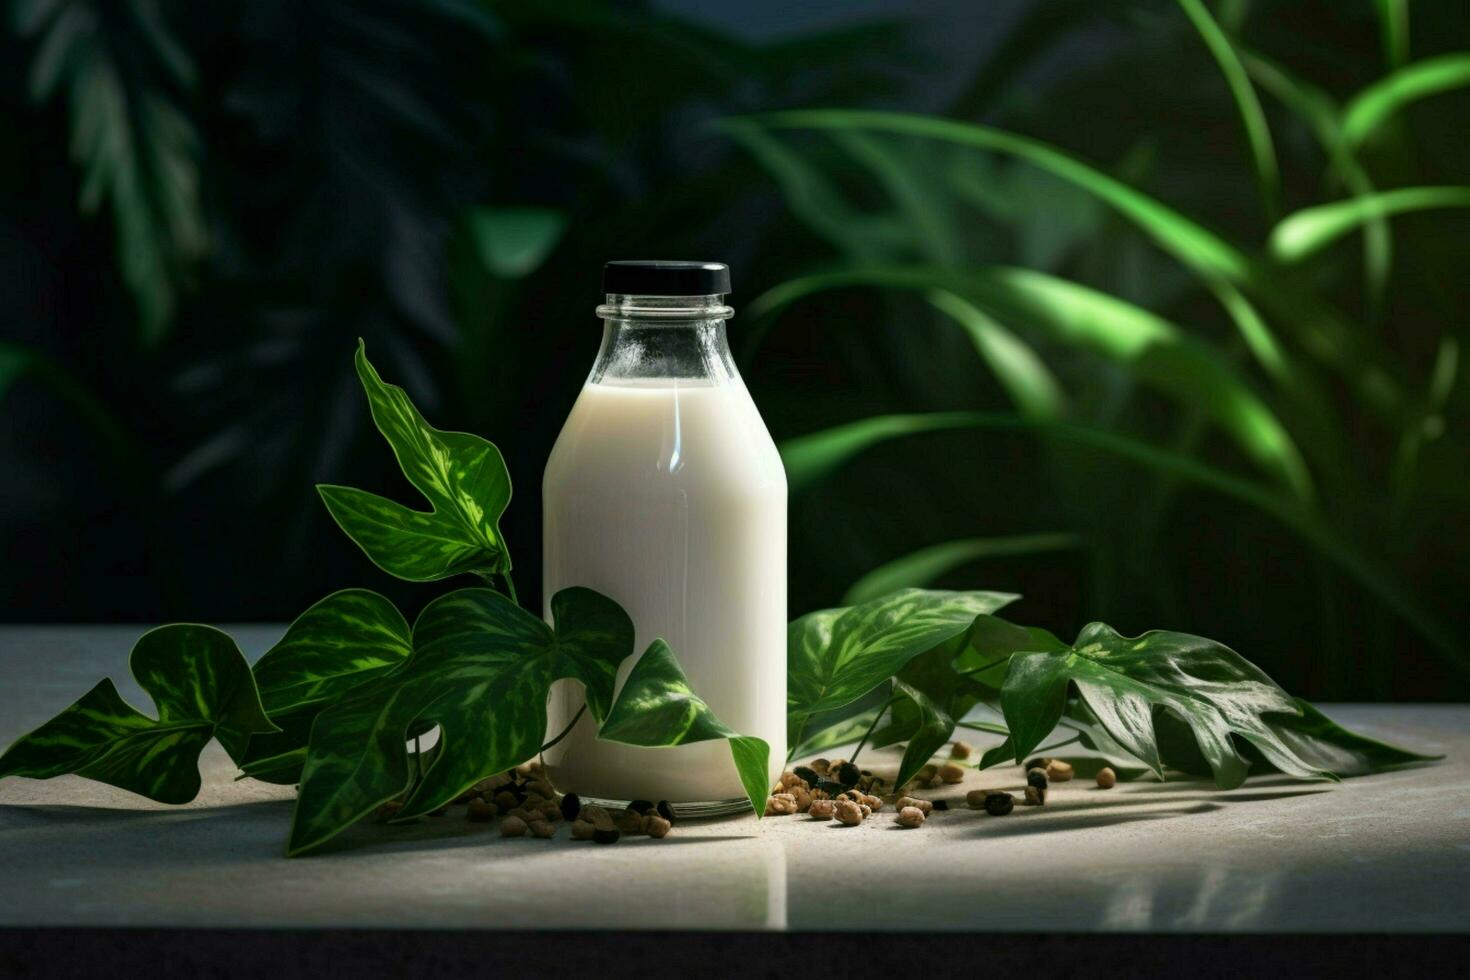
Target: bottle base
point(683, 811)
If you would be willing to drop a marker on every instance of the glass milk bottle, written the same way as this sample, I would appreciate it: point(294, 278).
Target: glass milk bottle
point(666, 493)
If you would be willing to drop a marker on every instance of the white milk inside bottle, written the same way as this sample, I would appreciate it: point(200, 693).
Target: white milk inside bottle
point(666, 493)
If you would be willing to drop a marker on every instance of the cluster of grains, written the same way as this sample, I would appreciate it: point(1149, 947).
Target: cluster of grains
point(827, 790)
point(640, 818)
point(526, 804)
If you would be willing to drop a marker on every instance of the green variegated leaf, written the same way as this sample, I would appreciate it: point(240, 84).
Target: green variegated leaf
point(341, 642)
point(201, 686)
point(334, 646)
point(835, 656)
point(461, 475)
point(1124, 681)
point(1323, 743)
point(656, 707)
point(481, 670)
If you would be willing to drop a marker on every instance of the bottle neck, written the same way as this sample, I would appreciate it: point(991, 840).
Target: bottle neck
point(653, 339)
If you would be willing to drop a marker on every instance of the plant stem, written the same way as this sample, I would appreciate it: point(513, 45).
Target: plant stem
point(978, 670)
point(418, 757)
point(983, 726)
point(510, 589)
point(565, 731)
point(876, 718)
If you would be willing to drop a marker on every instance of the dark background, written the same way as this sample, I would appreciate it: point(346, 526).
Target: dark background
point(204, 205)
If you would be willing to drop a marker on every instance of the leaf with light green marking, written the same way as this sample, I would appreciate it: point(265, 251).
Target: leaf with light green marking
point(1124, 681)
point(835, 656)
point(656, 707)
point(481, 669)
point(340, 643)
point(1310, 230)
point(201, 687)
point(461, 475)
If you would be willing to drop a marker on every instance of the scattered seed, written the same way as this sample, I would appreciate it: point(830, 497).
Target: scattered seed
point(666, 811)
point(1037, 763)
point(848, 812)
point(1035, 796)
point(910, 816)
point(571, 805)
point(999, 804)
point(924, 806)
point(867, 810)
point(1106, 778)
point(629, 822)
point(507, 800)
point(941, 804)
point(951, 773)
point(831, 787)
point(822, 809)
point(848, 774)
point(809, 774)
point(656, 826)
point(1036, 777)
point(1058, 771)
point(871, 802)
point(512, 827)
point(542, 828)
point(597, 817)
point(582, 830)
point(820, 767)
point(482, 812)
point(641, 806)
point(604, 836)
point(975, 798)
point(960, 750)
point(780, 804)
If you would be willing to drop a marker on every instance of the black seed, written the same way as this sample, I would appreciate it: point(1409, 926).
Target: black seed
point(848, 774)
point(941, 804)
point(605, 836)
point(1036, 763)
point(867, 772)
point(809, 774)
point(999, 804)
point(666, 811)
point(571, 805)
point(1036, 777)
point(831, 787)
point(640, 807)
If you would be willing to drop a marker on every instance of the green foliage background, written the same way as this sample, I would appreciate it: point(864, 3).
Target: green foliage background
point(202, 206)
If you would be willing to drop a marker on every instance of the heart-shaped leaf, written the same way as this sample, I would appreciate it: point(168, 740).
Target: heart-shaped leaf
point(463, 477)
point(835, 656)
point(1123, 680)
point(481, 670)
point(201, 686)
point(343, 641)
point(656, 707)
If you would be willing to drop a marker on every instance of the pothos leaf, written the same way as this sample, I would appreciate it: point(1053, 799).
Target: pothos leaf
point(341, 642)
point(201, 685)
point(656, 707)
point(835, 656)
point(481, 670)
point(463, 476)
point(1122, 680)
point(1321, 742)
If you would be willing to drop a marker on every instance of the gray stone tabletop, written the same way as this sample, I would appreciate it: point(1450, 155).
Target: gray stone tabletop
point(1382, 853)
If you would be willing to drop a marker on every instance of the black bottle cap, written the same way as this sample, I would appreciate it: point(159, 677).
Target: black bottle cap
point(652, 277)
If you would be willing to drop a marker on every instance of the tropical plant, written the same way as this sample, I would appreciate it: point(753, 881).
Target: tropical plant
point(1291, 378)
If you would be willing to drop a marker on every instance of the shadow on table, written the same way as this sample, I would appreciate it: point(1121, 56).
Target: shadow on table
point(1102, 808)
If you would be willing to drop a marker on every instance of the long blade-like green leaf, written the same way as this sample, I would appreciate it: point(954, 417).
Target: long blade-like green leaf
point(1374, 105)
point(1373, 372)
point(1023, 374)
point(1308, 231)
point(1157, 351)
point(920, 568)
point(1252, 117)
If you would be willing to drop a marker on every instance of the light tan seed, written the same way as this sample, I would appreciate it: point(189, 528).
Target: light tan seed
point(542, 828)
point(656, 826)
point(960, 750)
point(1106, 778)
point(849, 813)
point(512, 827)
point(822, 809)
point(951, 773)
point(924, 806)
point(582, 830)
point(975, 799)
point(1058, 771)
point(910, 816)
